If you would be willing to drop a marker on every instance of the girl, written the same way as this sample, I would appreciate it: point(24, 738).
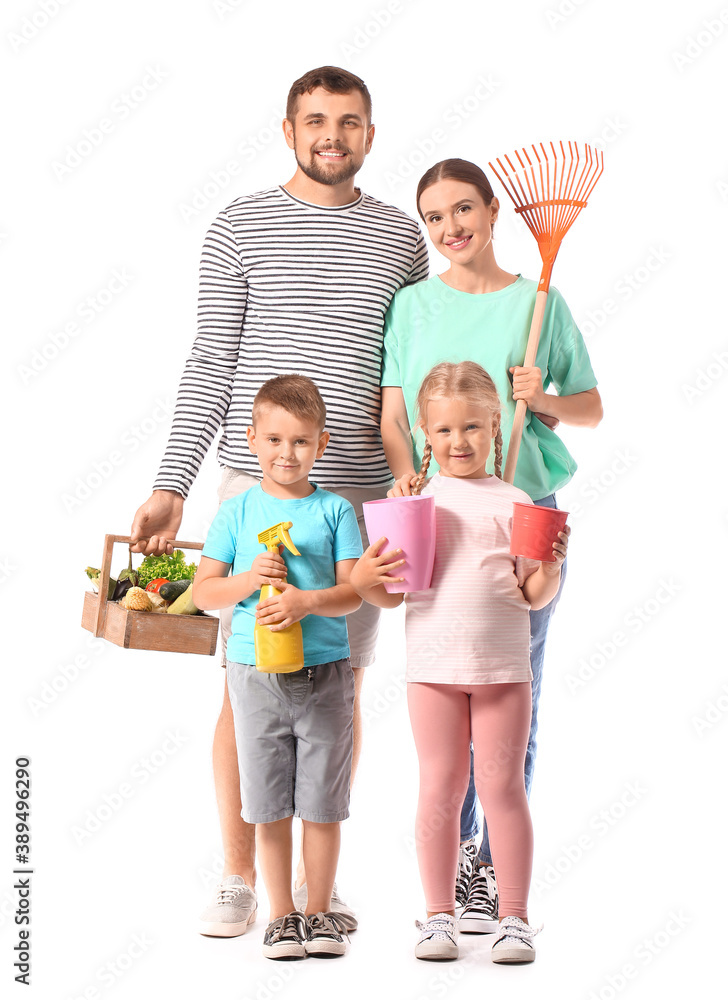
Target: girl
point(468, 667)
point(475, 310)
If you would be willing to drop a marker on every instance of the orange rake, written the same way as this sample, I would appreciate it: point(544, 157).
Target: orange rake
point(549, 187)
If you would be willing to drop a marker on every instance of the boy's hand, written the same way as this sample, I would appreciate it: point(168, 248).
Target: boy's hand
point(267, 567)
point(528, 385)
point(282, 610)
point(403, 486)
point(560, 548)
point(374, 568)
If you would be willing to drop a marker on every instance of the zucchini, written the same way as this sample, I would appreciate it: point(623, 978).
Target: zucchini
point(174, 589)
point(183, 605)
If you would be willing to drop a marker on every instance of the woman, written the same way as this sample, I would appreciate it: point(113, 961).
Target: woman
point(477, 311)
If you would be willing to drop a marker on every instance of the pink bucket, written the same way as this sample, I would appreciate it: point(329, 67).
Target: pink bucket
point(408, 523)
point(535, 529)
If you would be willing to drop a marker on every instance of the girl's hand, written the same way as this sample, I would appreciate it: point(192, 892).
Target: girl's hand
point(403, 486)
point(373, 568)
point(560, 548)
point(528, 385)
point(282, 610)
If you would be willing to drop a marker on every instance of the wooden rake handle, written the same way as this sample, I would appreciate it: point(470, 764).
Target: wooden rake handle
point(514, 445)
point(109, 542)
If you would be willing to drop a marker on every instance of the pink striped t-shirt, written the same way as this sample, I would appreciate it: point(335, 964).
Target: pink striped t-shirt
point(472, 625)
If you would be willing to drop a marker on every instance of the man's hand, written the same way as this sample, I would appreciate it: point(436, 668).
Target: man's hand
point(528, 385)
point(282, 610)
point(265, 566)
point(156, 524)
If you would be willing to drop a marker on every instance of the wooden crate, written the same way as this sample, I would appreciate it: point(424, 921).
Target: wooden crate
point(145, 629)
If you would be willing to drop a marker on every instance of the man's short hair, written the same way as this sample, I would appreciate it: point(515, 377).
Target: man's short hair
point(330, 78)
point(294, 393)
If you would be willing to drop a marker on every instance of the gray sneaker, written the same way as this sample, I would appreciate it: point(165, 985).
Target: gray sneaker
point(480, 915)
point(285, 937)
point(339, 908)
point(466, 859)
point(327, 938)
point(234, 907)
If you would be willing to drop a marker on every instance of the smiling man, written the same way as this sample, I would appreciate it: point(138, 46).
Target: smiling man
point(293, 279)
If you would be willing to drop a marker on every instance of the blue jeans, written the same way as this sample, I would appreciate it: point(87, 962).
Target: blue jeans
point(539, 628)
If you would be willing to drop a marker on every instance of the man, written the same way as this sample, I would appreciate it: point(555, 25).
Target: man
point(296, 278)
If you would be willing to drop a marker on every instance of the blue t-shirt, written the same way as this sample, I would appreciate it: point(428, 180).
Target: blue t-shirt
point(324, 531)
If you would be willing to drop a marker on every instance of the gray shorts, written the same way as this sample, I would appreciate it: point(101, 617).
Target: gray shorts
point(362, 625)
point(294, 739)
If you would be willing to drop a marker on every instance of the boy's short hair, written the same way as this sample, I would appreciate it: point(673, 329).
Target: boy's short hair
point(331, 78)
point(294, 393)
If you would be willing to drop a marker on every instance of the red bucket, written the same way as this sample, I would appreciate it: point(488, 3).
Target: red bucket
point(535, 529)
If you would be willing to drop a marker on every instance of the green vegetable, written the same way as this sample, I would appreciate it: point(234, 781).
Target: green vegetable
point(172, 567)
point(94, 576)
point(174, 589)
point(129, 574)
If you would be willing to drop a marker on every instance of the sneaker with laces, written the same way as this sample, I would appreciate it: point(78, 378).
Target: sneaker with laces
point(466, 859)
point(438, 938)
point(480, 914)
point(233, 909)
point(285, 937)
point(345, 914)
point(327, 937)
point(514, 944)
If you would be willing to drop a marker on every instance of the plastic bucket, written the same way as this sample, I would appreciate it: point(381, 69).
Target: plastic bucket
point(535, 529)
point(408, 523)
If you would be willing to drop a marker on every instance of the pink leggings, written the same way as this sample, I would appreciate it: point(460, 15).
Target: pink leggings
point(497, 717)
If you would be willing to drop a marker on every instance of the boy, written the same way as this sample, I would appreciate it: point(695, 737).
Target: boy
point(293, 731)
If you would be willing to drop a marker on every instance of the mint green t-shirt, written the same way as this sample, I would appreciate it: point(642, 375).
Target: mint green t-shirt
point(430, 322)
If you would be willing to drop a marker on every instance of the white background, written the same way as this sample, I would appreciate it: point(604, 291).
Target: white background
point(627, 798)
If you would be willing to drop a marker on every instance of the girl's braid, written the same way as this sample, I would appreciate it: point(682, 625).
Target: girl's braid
point(498, 458)
point(417, 484)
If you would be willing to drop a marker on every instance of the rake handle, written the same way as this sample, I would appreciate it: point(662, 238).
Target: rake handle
point(514, 444)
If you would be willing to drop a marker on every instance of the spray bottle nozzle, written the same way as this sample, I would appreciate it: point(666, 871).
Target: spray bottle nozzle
point(278, 535)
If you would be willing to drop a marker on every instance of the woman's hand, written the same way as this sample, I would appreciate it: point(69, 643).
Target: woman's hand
point(403, 486)
point(373, 568)
point(528, 385)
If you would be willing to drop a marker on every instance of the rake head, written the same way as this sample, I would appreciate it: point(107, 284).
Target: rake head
point(549, 186)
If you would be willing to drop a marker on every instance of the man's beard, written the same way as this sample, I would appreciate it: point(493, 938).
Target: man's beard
point(323, 175)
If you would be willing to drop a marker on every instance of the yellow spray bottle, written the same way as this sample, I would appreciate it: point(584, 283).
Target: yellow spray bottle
point(278, 652)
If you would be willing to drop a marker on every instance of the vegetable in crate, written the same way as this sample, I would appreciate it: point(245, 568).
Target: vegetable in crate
point(171, 590)
point(171, 567)
point(94, 576)
point(153, 587)
point(129, 574)
point(183, 605)
point(136, 600)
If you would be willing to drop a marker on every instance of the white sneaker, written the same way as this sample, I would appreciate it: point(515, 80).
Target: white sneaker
point(345, 914)
point(514, 943)
point(466, 860)
point(438, 938)
point(233, 908)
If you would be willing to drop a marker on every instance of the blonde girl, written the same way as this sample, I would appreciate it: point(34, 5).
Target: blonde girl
point(468, 672)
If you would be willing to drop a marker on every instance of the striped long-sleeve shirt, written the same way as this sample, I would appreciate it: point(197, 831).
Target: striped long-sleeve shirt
point(287, 286)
